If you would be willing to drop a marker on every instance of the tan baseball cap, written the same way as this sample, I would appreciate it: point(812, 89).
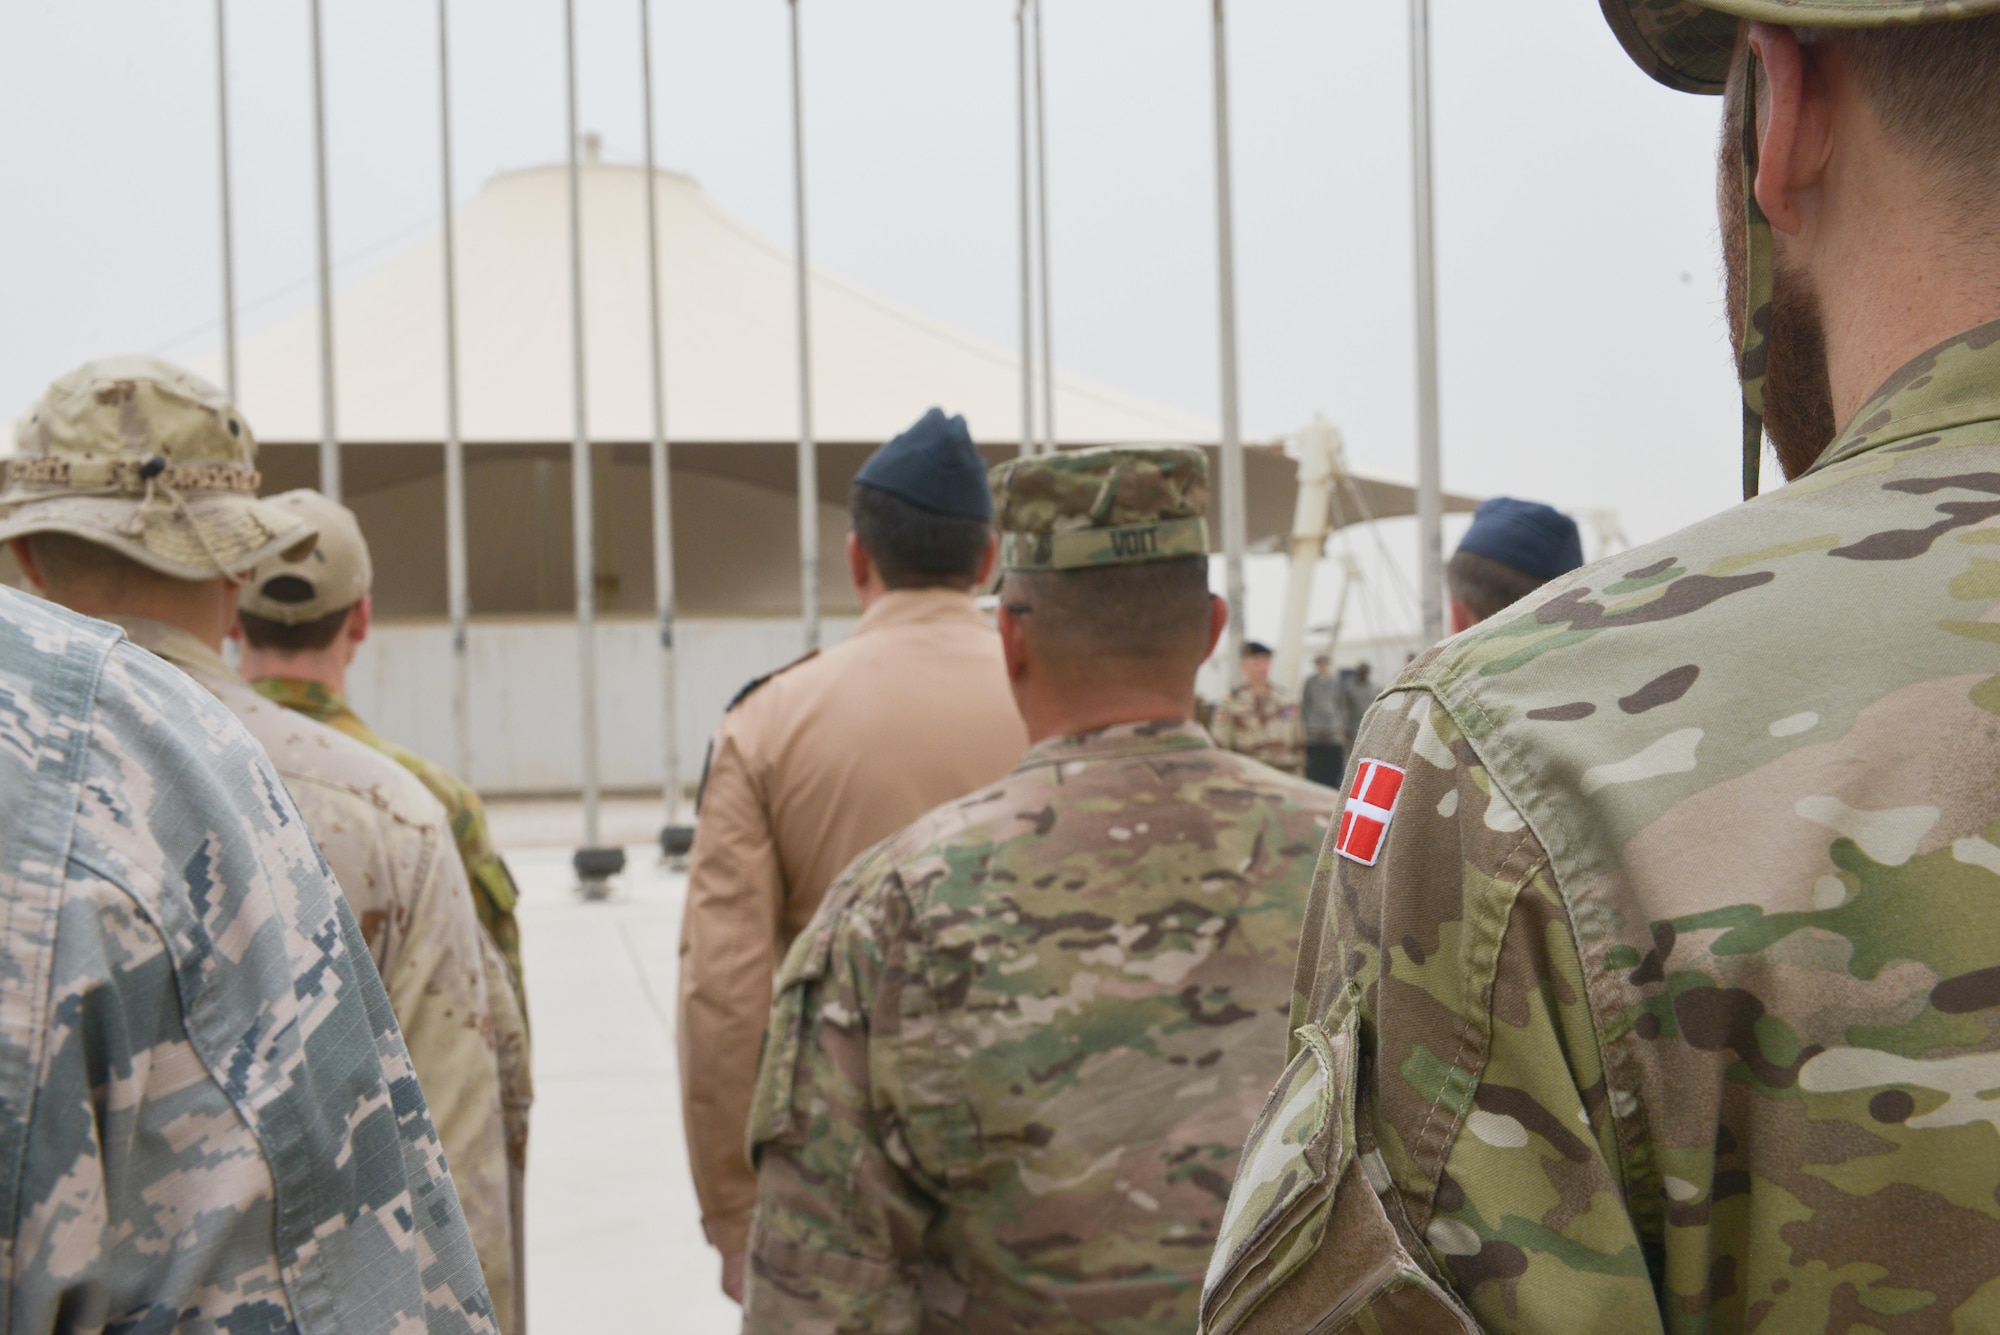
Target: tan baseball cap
point(332, 576)
point(138, 455)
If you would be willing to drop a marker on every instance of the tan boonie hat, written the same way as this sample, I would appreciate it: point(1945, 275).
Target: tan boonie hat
point(332, 576)
point(1116, 505)
point(1689, 46)
point(137, 455)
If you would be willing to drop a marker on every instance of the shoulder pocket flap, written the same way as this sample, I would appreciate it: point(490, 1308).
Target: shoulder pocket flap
point(806, 963)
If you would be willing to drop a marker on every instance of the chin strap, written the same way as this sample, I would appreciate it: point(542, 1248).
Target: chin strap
point(1756, 312)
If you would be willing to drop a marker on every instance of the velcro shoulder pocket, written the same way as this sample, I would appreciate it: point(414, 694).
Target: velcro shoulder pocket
point(771, 1112)
point(1305, 1243)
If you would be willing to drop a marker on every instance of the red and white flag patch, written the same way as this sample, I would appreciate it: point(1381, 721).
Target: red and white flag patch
point(1371, 803)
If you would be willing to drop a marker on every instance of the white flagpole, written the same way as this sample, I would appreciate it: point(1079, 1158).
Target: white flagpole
point(329, 441)
point(808, 455)
point(1233, 517)
point(457, 597)
point(663, 516)
point(579, 464)
point(228, 234)
point(1049, 441)
point(1430, 485)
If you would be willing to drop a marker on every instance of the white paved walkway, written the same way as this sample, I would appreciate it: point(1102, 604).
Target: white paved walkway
point(614, 1240)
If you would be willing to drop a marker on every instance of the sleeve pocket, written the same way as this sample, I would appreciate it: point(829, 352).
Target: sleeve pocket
point(771, 1112)
point(1305, 1245)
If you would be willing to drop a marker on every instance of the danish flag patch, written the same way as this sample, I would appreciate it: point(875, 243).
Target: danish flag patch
point(1371, 802)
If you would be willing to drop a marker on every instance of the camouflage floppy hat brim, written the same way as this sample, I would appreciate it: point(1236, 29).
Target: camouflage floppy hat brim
point(234, 532)
point(1688, 46)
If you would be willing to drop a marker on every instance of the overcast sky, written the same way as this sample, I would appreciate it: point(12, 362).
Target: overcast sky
point(1582, 339)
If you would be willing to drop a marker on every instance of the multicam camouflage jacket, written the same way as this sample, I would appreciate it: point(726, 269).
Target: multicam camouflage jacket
point(1267, 727)
point(386, 840)
point(1014, 1056)
point(1661, 989)
point(208, 1121)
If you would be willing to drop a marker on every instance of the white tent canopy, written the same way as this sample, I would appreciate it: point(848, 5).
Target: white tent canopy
point(729, 331)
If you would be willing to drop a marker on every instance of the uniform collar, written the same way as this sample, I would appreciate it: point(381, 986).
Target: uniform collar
point(909, 607)
point(1117, 742)
point(320, 703)
point(179, 647)
point(1953, 384)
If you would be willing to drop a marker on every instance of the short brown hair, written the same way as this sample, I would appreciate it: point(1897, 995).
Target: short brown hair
point(1153, 612)
point(1486, 585)
point(67, 562)
point(1936, 89)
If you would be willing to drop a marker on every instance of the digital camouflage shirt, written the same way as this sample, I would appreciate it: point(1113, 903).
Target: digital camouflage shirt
point(1267, 727)
point(208, 1121)
point(1013, 1058)
point(1671, 998)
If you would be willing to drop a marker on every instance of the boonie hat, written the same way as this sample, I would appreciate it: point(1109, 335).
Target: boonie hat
point(331, 576)
point(935, 467)
point(1527, 536)
point(1688, 46)
point(1114, 505)
point(138, 455)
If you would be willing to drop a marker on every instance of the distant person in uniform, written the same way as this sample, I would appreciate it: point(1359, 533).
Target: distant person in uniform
point(1512, 548)
point(1259, 720)
point(1013, 1059)
point(1357, 692)
point(301, 623)
point(1320, 711)
point(133, 499)
point(816, 762)
point(1655, 983)
point(211, 1120)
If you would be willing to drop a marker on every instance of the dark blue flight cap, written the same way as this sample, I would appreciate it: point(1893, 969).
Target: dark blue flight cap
point(1531, 537)
point(934, 467)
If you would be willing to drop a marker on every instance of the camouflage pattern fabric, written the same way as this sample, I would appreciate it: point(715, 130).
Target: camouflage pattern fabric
point(208, 1120)
point(493, 890)
point(494, 896)
point(1688, 46)
point(386, 840)
point(1678, 971)
point(1113, 505)
point(1013, 1058)
point(1266, 726)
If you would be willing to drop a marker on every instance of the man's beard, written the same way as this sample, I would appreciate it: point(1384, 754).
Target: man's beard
point(1798, 396)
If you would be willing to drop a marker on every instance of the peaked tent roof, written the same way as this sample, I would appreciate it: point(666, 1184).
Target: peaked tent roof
point(727, 302)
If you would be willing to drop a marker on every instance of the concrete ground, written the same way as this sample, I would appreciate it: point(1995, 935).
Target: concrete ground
point(614, 1238)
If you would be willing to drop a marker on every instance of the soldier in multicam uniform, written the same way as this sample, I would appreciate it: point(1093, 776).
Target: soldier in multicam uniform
point(1258, 719)
point(208, 1121)
point(1012, 1058)
point(1653, 979)
point(133, 498)
point(301, 621)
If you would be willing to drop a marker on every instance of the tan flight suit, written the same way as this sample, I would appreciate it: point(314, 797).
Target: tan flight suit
point(391, 849)
point(809, 769)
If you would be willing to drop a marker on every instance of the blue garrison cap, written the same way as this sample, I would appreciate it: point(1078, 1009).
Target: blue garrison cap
point(934, 467)
point(1533, 538)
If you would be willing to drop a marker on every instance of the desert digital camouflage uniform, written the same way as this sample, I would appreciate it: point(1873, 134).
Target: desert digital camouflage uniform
point(139, 456)
point(1673, 999)
point(208, 1121)
point(493, 895)
point(1266, 726)
point(1013, 1057)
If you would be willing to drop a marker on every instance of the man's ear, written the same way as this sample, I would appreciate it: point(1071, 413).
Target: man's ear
point(988, 561)
point(1013, 642)
point(360, 618)
point(24, 557)
point(1795, 131)
point(1218, 621)
point(1462, 617)
point(859, 567)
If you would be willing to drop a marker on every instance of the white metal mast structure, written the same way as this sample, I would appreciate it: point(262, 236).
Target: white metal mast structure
point(808, 455)
point(329, 440)
point(1233, 514)
point(1430, 484)
point(663, 508)
point(228, 234)
point(1027, 234)
point(458, 600)
point(1049, 441)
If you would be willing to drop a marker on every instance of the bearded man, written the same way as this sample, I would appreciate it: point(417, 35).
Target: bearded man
point(1652, 978)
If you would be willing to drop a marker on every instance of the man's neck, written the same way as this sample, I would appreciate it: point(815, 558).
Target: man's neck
point(1902, 277)
point(209, 625)
point(1071, 714)
point(320, 669)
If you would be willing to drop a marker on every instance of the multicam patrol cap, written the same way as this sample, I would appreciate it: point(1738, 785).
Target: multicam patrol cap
point(137, 455)
point(1688, 46)
point(331, 576)
point(1115, 505)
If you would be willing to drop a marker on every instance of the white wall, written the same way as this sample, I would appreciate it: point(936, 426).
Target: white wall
point(525, 707)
